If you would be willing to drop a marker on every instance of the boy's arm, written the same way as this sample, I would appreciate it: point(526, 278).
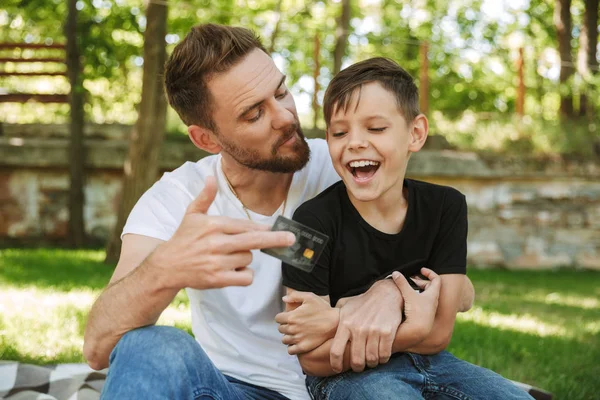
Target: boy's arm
point(309, 324)
point(454, 289)
point(414, 335)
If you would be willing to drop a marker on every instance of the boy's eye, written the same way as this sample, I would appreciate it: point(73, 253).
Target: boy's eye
point(257, 117)
point(378, 129)
point(338, 134)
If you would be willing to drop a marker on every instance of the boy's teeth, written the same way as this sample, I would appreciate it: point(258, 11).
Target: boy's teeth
point(362, 163)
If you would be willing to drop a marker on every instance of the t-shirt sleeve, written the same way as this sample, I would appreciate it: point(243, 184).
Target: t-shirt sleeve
point(449, 254)
point(158, 213)
point(316, 281)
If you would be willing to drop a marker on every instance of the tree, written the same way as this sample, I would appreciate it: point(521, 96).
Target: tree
point(276, 28)
point(562, 23)
point(141, 165)
point(587, 62)
point(341, 35)
point(76, 235)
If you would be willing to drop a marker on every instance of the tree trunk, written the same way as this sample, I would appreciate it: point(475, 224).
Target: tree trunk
point(76, 235)
point(587, 62)
point(562, 23)
point(316, 72)
point(341, 34)
point(141, 166)
point(276, 29)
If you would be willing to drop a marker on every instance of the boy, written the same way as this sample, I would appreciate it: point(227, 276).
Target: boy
point(380, 223)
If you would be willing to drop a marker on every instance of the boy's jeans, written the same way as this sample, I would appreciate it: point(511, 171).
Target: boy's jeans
point(159, 362)
point(413, 376)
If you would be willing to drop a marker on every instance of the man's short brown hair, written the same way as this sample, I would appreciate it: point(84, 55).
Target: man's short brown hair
point(379, 69)
point(207, 50)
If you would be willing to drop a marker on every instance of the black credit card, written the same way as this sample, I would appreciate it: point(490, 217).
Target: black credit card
point(307, 249)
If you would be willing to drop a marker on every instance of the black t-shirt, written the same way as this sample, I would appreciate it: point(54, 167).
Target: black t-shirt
point(434, 235)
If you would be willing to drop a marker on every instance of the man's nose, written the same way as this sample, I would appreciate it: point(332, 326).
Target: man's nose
point(282, 117)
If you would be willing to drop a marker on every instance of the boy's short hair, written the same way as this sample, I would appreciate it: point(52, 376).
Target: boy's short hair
point(206, 50)
point(379, 69)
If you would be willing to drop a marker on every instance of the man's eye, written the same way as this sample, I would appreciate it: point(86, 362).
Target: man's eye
point(378, 129)
point(257, 117)
point(281, 95)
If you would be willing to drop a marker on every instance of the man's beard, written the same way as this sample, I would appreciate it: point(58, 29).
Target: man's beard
point(276, 163)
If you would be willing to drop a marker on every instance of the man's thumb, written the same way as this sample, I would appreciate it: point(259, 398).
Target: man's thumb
point(201, 203)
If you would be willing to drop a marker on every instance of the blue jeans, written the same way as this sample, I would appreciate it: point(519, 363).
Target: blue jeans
point(159, 362)
point(413, 376)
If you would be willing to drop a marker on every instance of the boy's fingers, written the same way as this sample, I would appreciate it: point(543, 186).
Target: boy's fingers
point(420, 282)
point(428, 273)
point(282, 317)
point(401, 283)
point(296, 297)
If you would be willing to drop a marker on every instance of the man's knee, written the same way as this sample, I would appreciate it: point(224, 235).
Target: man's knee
point(155, 343)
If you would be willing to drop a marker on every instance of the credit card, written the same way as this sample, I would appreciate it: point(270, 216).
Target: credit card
point(307, 249)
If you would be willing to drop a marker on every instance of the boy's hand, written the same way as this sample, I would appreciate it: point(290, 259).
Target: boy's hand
point(369, 322)
point(420, 308)
point(309, 325)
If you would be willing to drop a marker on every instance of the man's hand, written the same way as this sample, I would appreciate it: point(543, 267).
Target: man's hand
point(212, 251)
point(310, 324)
point(420, 308)
point(369, 321)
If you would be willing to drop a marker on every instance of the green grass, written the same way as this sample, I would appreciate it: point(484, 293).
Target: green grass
point(542, 328)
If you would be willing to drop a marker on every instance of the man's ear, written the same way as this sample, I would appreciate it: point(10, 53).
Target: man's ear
point(418, 133)
point(204, 139)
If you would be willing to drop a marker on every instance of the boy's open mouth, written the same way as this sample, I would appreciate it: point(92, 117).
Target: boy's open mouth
point(363, 169)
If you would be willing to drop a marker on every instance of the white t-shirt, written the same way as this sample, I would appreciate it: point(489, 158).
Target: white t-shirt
point(236, 325)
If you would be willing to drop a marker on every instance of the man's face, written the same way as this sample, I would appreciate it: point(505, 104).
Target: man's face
point(370, 143)
point(255, 115)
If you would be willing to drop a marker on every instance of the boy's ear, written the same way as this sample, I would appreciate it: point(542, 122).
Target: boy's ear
point(204, 139)
point(418, 133)
point(327, 134)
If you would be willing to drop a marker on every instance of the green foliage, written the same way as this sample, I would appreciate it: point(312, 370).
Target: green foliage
point(472, 51)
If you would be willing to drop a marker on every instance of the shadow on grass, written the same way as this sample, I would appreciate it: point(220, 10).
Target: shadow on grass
point(564, 366)
point(54, 268)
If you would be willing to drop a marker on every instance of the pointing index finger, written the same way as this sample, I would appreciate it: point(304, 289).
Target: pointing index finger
point(261, 240)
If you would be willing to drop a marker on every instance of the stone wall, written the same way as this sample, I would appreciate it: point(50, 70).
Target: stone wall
point(523, 212)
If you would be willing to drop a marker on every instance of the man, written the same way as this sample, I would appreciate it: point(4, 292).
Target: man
point(199, 228)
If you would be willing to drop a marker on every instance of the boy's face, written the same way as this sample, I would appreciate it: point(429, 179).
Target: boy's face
point(371, 142)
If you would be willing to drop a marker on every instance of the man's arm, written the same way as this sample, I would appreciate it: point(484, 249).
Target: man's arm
point(317, 362)
point(204, 252)
point(134, 291)
point(408, 337)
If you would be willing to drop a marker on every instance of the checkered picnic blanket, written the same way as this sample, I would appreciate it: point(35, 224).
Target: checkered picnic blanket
point(80, 382)
point(58, 382)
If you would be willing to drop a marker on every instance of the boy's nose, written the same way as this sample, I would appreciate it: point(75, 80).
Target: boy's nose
point(357, 141)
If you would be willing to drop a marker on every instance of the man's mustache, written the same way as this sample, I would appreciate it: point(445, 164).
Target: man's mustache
point(293, 129)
